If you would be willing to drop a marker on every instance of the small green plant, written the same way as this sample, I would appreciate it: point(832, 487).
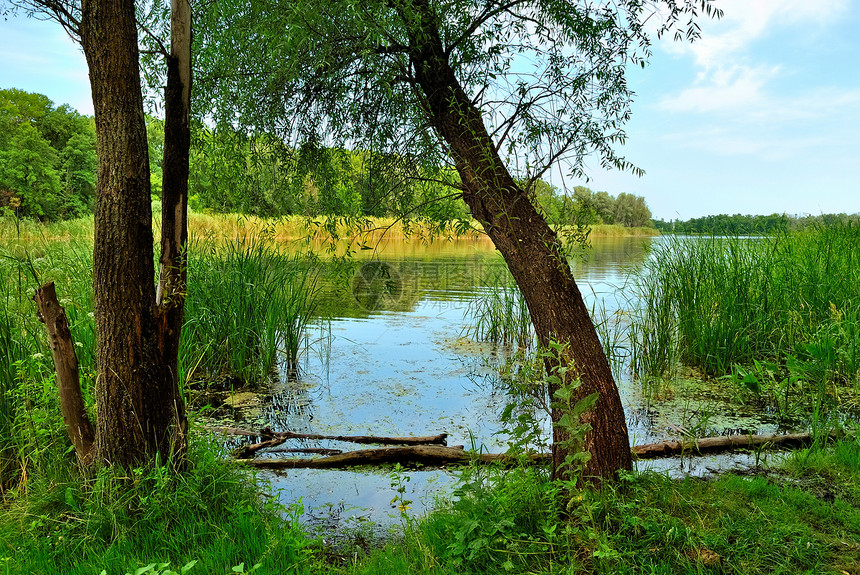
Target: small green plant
point(399, 483)
point(570, 410)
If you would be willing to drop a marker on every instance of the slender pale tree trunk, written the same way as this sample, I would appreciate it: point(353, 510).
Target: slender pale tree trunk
point(172, 284)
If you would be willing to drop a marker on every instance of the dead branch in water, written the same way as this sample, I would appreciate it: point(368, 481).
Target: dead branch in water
point(439, 456)
point(719, 444)
point(275, 438)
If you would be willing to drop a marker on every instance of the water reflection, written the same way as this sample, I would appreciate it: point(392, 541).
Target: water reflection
point(396, 363)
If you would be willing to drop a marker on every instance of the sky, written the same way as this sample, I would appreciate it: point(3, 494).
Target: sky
point(760, 116)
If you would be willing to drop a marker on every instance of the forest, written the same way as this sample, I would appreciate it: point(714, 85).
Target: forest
point(748, 225)
point(48, 172)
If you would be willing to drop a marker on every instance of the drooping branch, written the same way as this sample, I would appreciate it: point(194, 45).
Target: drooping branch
point(66, 13)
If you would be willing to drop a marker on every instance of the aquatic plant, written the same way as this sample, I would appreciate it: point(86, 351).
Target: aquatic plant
point(499, 313)
point(248, 303)
point(717, 302)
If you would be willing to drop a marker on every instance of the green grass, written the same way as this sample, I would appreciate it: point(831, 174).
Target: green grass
point(212, 513)
point(715, 303)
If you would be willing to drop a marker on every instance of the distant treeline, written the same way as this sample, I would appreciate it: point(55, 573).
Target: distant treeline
point(48, 171)
point(748, 225)
point(587, 207)
point(47, 157)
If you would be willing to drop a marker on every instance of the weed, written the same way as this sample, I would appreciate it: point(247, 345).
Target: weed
point(499, 314)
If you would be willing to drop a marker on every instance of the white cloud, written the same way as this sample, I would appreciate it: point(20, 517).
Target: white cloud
point(728, 88)
point(735, 83)
point(745, 21)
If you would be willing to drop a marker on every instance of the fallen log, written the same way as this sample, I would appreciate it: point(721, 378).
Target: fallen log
point(247, 451)
point(267, 433)
point(251, 450)
point(719, 444)
point(430, 455)
point(307, 450)
point(439, 456)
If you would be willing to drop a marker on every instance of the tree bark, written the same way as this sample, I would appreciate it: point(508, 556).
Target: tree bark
point(170, 295)
point(136, 415)
point(77, 422)
point(530, 248)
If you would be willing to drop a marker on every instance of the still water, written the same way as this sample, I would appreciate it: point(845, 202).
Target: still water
point(397, 361)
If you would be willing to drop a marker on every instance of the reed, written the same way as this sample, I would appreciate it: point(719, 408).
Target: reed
point(714, 303)
point(499, 314)
point(357, 231)
point(248, 303)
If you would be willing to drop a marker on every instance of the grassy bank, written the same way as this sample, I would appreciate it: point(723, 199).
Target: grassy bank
point(116, 522)
point(795, 520)
point(802, 517)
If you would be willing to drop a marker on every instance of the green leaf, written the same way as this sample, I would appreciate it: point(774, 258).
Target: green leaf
point(563, 394)
point(585, 404)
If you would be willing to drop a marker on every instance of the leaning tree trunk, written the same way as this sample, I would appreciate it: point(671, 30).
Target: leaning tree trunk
point(136, 415)
point(529, 246)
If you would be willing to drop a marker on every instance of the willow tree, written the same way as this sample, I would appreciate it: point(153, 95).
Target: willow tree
point(140, 410)
point(502, 90)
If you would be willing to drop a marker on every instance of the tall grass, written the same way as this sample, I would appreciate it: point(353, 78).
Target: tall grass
point(12, 350)
point(31, 429)
point(117, 521)
point(248, 303)
point(714, 303)
point(499, 314)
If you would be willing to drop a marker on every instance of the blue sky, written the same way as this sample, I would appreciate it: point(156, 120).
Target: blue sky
point(760, 116)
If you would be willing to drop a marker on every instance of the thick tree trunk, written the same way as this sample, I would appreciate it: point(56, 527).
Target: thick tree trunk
point(530, 248)
point(136, 415)
point(77, 422)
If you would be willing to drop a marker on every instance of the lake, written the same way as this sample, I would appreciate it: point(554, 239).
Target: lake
point(395, 359)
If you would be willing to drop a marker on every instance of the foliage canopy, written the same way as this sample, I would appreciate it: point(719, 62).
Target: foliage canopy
point(548, 75)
